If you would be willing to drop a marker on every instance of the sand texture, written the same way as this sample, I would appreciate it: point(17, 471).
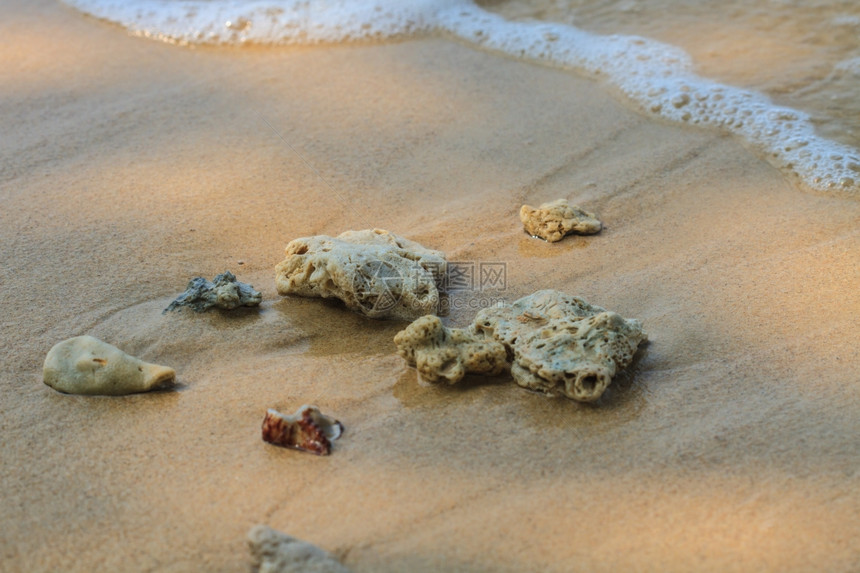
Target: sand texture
point(128, 167)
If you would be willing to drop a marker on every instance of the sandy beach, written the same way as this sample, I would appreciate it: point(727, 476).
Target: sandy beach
point(129, 166)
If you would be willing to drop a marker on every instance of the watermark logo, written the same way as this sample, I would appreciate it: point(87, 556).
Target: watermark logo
point(462, 284)
point(471, 276)
point(493, 276)
point(470, 285)
point(377, 286)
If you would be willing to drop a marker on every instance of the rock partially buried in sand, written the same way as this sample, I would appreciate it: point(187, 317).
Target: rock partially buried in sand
point(374, 272)
point(276, 552)
point(560, 344)
point(440, 353)
point(224, 292)
point(308, 430)
point(552, 221)
point(86, 365)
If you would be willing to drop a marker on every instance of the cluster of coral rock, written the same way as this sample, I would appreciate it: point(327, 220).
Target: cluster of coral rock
point(551, 342)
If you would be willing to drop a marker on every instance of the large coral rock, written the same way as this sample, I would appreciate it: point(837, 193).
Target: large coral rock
point(440, 353)
point(276, 552)
point(558, 344)
point(552, 221)
point(562, 344)
point(374, 272)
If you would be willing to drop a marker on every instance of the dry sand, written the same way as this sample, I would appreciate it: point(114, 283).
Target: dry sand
point(128, 166)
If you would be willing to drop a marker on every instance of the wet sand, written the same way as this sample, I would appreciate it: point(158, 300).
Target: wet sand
point(128, 167)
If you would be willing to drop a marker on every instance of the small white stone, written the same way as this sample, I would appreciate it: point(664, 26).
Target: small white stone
point(87, 365)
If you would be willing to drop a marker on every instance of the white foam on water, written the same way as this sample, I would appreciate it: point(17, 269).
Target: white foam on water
point(267, 22)
point(660, 79)
point(657, 76)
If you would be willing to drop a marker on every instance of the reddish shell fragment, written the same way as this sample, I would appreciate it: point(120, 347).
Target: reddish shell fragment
point(308, 430)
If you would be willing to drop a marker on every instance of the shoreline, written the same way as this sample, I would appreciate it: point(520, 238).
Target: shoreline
point(659, 79)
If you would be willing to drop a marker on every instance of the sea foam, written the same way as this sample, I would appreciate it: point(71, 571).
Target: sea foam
point(268, 21)
point(657, 76)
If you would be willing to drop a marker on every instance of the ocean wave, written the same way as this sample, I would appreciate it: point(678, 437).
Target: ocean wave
point(657, 76)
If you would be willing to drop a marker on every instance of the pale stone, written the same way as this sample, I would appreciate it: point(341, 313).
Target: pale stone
point(440, 353)
point(276, 552)
point(87, 365)
point(224, 292)
point(552, 221)
point(374, 272)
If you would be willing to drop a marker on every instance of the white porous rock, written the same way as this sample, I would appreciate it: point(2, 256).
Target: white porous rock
point(374, 272)
point(562, 344)
point(448, 354)
point(87, 365)
point(276, 552)
point(552, 221)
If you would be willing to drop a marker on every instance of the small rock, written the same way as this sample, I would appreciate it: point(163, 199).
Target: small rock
point(308, 430)
point(225, 292)
point(441, 353)
point(87, 365)
point(276, 552)
point(552, 221)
